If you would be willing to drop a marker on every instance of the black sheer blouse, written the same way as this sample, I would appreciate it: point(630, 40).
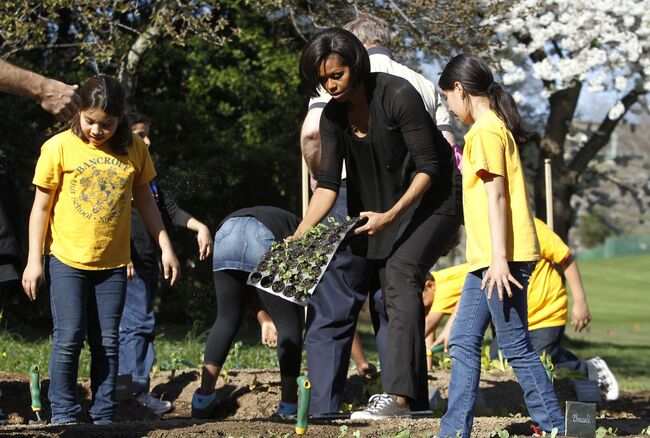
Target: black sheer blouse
point(402, 141)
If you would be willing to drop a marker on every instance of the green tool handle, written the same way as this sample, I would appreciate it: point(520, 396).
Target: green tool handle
point(35, 387)
point(438, 348)
point(304, 393)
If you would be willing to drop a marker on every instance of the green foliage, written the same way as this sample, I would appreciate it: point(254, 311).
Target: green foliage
point(224, 108)
point(403, 433)
point(457, 26)
point(101, 32)
point(592, 230)
point(501, 433)
point(602, 432)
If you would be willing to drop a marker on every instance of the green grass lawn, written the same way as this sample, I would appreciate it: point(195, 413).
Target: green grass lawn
point(618, 293)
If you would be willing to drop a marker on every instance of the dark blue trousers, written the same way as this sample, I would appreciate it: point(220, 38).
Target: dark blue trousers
point(137, 328)
point(332, 317)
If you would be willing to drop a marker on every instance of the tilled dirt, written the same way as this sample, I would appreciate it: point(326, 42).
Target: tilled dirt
point(249, 398)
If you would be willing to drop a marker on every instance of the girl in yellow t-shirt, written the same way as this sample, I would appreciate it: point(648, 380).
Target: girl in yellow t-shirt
point(81, 223)
point(501, 248)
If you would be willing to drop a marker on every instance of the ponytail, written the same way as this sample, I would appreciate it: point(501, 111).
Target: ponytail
point(502, 103)
point(477, 79)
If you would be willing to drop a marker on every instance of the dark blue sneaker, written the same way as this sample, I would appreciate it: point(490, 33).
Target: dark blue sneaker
point(287, 411)
point(204, 406)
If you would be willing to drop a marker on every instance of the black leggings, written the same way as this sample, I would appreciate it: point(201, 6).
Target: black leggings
point(232, 290)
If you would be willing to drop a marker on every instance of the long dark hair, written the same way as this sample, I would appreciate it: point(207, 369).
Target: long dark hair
point(477, 79)
point(322, 45)
point(107, 94)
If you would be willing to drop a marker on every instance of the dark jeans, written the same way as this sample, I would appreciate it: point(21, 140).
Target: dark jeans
point(549, 339)
point(84, 303)
point(137, 326)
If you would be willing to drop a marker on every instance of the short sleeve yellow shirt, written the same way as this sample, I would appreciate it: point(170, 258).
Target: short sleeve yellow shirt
point(90, 220)
point(449, 284)
point(490, 147)
point(547, 299)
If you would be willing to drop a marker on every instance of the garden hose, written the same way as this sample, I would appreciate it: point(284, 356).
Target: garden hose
point(35, 390)
point(304, 393)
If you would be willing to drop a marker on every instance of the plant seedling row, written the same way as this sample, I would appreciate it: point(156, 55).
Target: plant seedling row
point(292, 269)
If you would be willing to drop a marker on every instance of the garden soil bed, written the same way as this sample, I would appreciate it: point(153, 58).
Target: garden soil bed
point(249, 398)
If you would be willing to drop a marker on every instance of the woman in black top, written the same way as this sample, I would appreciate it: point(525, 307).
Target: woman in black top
point(401, 178)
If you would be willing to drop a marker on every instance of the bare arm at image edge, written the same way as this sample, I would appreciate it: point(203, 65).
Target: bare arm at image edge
point(57, 98)
point(310, 140)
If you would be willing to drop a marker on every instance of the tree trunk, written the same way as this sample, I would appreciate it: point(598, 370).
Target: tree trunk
point(566, 177)
point(563, 105)
point(128, 71)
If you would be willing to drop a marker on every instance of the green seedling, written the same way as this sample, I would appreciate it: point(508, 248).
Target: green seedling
point(176, 362)
point(602, 432)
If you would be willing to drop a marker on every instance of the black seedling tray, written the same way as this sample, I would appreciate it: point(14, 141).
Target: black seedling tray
point(292, 269)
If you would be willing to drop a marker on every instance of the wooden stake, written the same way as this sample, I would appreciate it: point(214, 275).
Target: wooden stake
point(549, 192)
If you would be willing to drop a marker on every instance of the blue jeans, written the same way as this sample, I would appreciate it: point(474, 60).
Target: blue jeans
point(510, 318)
point(240, 243)
point(84, 303)
point(137, 325)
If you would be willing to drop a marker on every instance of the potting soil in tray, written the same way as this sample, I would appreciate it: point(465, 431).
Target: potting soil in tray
point(292, 269)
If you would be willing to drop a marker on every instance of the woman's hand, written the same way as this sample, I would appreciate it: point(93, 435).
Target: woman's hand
point(171, 267)
point(204, 239)
point(580, 315)
point(375, 223)
point(32, 277)
point(499, 274)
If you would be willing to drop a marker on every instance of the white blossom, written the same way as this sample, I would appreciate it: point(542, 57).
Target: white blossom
point(616, 111)
point(620, 83)
point(583, 40)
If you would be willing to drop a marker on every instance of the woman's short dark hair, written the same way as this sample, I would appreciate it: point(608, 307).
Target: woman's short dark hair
point(477, 79)
point(107, 94)
point(322, 45)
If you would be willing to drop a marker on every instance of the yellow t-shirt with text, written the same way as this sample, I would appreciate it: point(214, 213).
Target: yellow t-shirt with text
point(90, 220)
point(547, 299)
point(490, 147)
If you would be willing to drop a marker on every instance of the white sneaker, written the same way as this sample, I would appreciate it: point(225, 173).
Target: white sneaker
point(154, 404)
point(598, 371)
point(380, 407)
